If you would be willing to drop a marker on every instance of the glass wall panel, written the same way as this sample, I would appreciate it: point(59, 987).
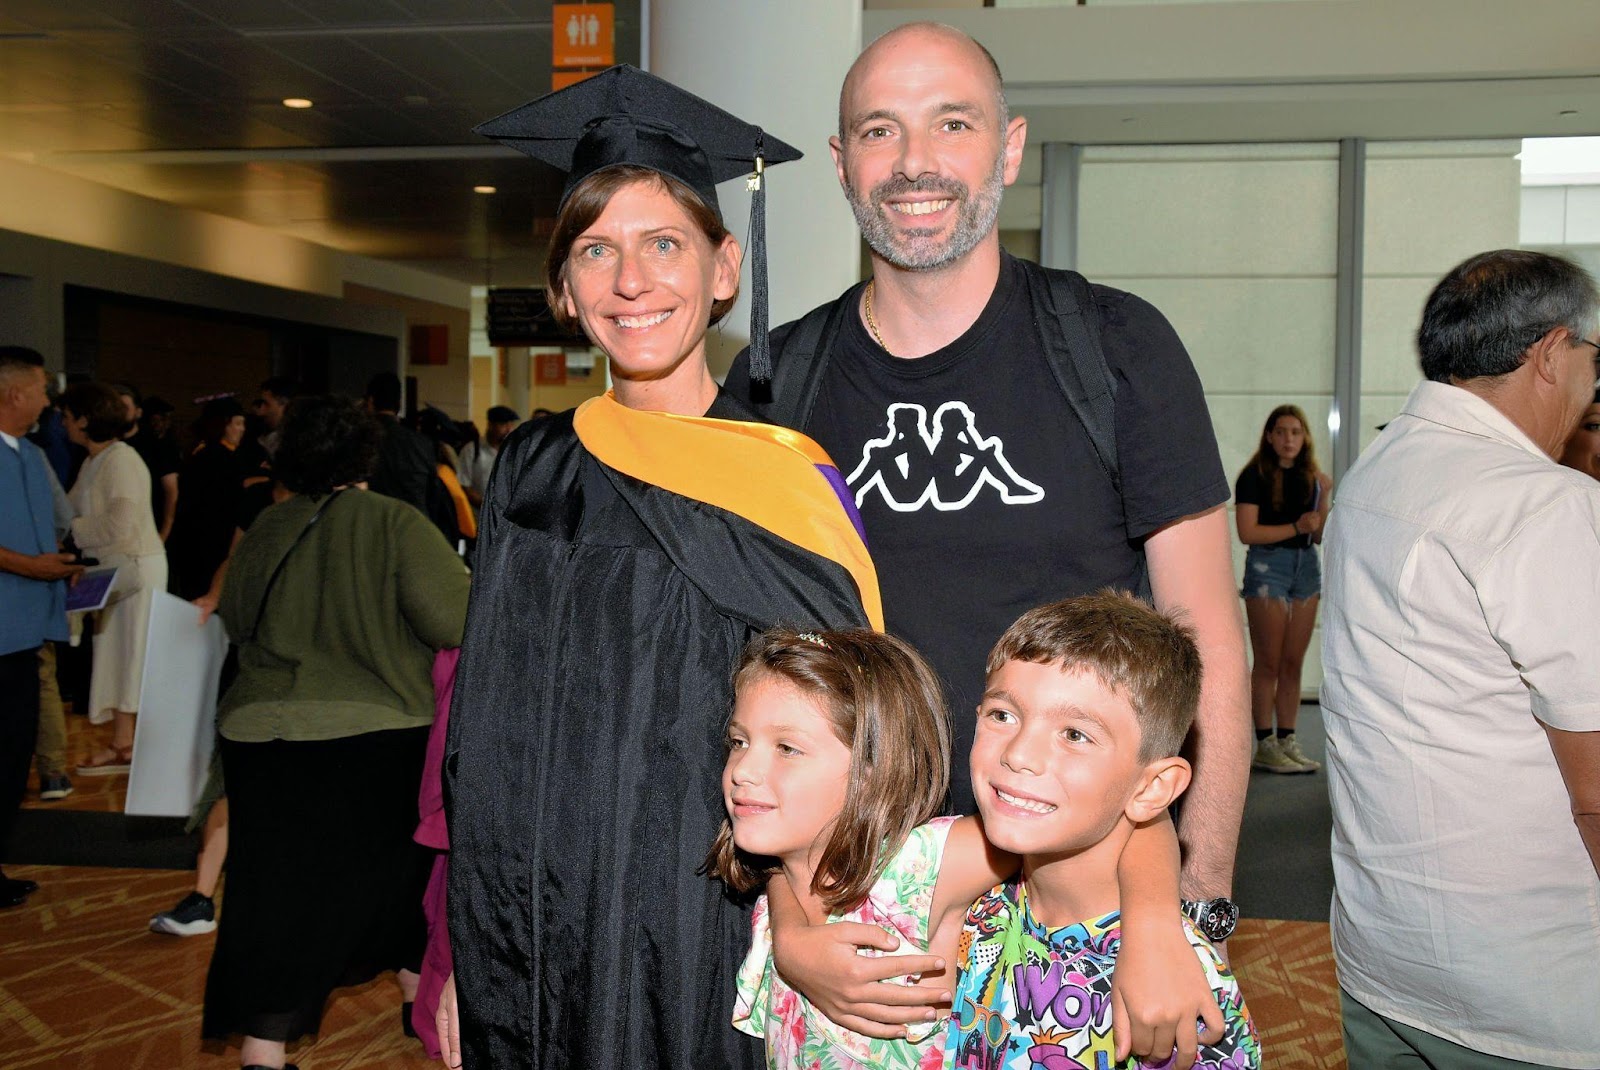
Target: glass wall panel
point(1429, 205)
point(1238, 245)
point(1561, 198)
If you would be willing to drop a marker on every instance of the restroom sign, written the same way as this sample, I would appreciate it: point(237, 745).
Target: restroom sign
point(583, 35)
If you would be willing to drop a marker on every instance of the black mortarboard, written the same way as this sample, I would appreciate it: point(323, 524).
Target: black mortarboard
point(626, 116)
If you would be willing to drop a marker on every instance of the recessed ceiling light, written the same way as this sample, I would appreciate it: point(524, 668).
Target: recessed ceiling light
point(483, 189)
point(296, 102)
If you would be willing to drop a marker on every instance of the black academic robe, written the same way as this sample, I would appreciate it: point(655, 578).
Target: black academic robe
point(585, 744)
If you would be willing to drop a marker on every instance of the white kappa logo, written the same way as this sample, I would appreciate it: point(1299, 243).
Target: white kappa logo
point(945, 465)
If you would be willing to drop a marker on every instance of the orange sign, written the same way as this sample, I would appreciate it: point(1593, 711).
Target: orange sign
point(583, 35)
point(562, 79)
point(550, 369)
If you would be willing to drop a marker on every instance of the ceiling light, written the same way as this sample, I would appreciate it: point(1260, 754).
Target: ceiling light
point(296, 102)
point(483, 189)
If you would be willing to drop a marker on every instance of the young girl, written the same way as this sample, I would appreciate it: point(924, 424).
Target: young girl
point(838, 762)
point(1281, 502)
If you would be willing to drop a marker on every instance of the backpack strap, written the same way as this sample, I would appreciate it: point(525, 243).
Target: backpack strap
point(1071, 337)
point(1070, 334)
point(799, 358)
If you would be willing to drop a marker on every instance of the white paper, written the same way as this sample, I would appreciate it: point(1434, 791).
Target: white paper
point(177, 719)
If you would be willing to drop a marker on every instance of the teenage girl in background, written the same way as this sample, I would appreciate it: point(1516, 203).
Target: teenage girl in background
point(1281, 500)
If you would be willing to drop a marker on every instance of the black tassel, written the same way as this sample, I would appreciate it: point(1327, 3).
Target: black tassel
point(760, 349)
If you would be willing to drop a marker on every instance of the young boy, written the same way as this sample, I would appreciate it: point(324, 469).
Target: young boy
point(1087, 703)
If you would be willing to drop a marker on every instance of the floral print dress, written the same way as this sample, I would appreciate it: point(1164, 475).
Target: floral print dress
point(800, 1037)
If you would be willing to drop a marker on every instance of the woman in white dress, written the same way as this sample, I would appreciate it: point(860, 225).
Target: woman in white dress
point(115, 526)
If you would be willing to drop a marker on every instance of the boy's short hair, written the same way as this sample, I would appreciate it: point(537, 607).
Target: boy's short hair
point(1148, 656)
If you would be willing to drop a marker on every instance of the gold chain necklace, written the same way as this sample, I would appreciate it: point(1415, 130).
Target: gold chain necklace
point(872, 324)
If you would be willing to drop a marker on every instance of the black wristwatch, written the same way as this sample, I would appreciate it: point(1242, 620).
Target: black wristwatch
point(1215, 918)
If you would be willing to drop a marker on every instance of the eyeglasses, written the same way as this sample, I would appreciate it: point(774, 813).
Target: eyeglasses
point(1596, 345)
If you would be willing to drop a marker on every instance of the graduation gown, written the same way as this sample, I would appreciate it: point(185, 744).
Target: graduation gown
point(624, 560)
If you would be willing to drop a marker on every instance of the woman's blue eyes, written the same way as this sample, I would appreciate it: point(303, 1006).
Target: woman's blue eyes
point(660, 245)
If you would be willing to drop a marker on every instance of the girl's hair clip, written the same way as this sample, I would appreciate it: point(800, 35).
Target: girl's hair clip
point(813, 637)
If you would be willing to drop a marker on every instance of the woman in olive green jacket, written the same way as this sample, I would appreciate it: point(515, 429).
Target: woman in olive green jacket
point(337, 599)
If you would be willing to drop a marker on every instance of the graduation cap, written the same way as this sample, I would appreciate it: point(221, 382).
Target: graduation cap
point(626, 116)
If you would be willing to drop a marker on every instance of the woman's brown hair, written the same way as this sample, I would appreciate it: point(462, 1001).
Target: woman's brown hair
point(1265, 461)
point(585, 204)
point(885, 704)
point(100, 406)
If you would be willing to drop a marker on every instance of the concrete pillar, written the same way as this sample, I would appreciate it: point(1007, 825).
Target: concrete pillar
point(779, 66)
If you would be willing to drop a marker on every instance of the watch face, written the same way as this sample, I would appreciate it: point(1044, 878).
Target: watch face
point(1215, 918)
point(1222, 916)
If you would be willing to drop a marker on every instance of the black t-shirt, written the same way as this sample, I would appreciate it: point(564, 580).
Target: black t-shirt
point(979, 487)
point(161, 456)
point(1299, 498)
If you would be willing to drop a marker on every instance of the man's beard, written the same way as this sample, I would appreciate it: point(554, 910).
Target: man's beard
point(917, 249)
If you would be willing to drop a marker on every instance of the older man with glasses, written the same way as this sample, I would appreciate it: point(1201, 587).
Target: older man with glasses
point(1462, 690)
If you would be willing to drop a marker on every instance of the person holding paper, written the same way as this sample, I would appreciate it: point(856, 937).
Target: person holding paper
point(33, 595)
point(116, 526)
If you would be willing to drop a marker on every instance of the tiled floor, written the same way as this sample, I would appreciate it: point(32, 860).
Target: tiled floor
point(84, 985)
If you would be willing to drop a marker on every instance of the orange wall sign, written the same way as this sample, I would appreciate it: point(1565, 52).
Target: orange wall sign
point(583, 35)
point(550, 369)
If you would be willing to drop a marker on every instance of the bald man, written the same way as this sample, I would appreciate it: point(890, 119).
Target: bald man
point(951, 337)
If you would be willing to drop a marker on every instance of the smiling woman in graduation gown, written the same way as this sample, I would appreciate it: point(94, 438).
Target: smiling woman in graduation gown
point(628, 550)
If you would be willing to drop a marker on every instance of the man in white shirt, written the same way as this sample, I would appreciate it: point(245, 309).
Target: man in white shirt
point(1462, 690)
point(477, 458)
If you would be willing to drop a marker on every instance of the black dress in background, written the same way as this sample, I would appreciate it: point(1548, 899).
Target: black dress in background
point(209, 488)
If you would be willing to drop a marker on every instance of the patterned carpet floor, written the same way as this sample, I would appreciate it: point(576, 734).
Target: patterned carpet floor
point(84, 985)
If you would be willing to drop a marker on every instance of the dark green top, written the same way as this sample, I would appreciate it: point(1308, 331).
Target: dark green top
point(347, 641)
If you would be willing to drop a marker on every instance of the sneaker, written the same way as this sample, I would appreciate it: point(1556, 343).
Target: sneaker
point(56, 787)
point(194, 914)
point(1271, 758)
point(1291, 746)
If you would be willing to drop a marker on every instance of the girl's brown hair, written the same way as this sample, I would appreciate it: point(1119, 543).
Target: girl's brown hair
point(885, 704)
point(1265, 460)
point(585, 204)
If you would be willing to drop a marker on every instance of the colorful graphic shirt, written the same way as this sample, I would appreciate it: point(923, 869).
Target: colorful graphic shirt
point(1031, 998)
point(800, 1037)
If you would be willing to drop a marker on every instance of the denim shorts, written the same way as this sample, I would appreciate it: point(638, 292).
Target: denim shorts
point(1281, 572)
